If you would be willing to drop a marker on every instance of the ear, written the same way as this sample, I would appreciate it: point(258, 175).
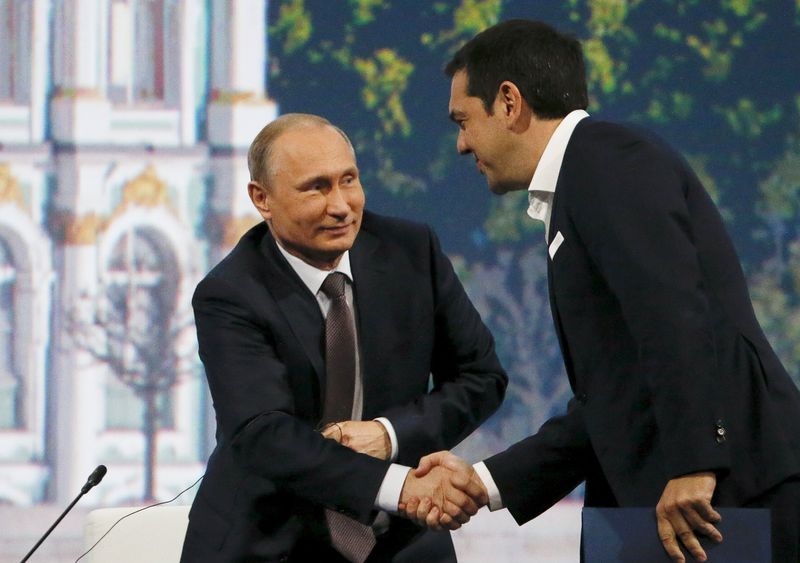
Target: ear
point(260, 198)
point(509, 102)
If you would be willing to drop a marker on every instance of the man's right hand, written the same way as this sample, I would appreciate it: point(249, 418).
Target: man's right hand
point(457, 492)
point(684, 511)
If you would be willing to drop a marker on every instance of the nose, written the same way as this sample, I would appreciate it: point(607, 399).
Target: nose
point(461, 144)
point(338, 206)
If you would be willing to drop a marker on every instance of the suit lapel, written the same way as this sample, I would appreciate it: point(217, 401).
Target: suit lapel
point(301, 310)
point(370, 277)
point(299, 307)
point(555, 221)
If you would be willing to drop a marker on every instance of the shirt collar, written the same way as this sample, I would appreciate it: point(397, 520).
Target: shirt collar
point(313, 277)
point(546, 174)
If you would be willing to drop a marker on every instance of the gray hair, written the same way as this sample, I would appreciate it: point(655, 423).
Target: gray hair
point(260, 151)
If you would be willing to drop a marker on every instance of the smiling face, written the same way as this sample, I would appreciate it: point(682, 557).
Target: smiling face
point(313, 200)
point(486, 136)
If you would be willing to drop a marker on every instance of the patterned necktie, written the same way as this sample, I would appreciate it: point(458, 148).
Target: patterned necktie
point(349, 537)
point(340, 352)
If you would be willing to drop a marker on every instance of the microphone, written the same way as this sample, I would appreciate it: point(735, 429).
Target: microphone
point(96, 476)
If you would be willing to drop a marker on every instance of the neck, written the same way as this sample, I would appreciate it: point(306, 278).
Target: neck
point(539, 134)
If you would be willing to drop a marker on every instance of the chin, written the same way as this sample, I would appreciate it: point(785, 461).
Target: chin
point(500, 188)
point(339, 247)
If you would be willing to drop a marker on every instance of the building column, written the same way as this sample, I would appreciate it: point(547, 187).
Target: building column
point(77, 398)
point(40, 49)
point(238, 110)
point(81, 112)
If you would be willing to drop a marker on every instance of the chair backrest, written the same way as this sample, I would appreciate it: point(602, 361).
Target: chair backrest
point(154, 535)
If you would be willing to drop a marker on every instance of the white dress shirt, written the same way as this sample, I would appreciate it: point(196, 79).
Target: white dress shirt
point(541, 192)
point(392, 485)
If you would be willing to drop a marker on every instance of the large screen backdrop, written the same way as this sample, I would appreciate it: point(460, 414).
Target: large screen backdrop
point(718, 80)
point(105, 232)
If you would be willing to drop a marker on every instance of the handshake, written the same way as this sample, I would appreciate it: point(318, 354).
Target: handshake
point(443, 492)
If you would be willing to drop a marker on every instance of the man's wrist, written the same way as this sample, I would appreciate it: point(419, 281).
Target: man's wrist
point(387, 425)
point(495, 502)
point(391, 488)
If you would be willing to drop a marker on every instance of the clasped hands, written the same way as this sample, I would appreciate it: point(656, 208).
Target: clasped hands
point(443, 492)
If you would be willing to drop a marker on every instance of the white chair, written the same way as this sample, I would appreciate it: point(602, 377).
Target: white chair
point(154, 535)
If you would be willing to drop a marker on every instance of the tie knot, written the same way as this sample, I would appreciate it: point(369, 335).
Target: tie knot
point(333, 286)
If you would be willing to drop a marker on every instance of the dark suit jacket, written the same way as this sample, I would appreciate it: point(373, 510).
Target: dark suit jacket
point(261, 341)
point(670, 370)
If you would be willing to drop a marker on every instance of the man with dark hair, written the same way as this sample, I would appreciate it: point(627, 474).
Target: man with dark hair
point(544, 64)
point(334, 341)
point(679, 400)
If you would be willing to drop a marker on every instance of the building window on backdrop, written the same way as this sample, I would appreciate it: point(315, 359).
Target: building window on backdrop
point(140, 298)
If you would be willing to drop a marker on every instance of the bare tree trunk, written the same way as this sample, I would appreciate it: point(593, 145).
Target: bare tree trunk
point(150, 429)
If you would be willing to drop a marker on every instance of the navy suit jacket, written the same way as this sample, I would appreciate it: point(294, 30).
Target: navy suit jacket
point(261, 340)
point(670, 369)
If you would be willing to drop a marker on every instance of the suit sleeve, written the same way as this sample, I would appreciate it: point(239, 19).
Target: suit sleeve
point(633, 218)
point(255, 408)
point(535, 473)
point(468, 381)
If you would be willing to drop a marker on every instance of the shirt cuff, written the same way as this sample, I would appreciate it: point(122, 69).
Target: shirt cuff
point(495, 502)
point(391, 487)
point(392, 435)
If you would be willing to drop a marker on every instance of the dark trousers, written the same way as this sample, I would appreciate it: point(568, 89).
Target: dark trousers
point(412, 545)
point(433, 547)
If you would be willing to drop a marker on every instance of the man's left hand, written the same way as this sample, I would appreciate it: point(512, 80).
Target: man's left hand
point(685, 508)
point(364, 436)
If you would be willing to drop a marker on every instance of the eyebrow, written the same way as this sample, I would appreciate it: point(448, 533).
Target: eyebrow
point(320, 178)
point(349, 171)
point(455, 115)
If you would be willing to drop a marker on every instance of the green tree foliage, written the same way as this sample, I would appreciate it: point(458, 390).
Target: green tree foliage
point(716, 78)
point(385, 77)
point(469, 18)
point(293, 25)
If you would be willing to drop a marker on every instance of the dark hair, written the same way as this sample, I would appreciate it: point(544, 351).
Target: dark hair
point(546, 66)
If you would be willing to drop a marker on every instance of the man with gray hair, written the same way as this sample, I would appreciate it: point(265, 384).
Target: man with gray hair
point(339, 348)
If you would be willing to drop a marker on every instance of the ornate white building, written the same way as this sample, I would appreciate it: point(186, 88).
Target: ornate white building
point(123, 131)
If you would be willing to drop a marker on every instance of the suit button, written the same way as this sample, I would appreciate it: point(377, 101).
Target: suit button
point(582, 397)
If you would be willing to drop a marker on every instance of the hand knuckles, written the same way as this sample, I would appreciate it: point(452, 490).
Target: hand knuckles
point(664, 509)
point(667, 540)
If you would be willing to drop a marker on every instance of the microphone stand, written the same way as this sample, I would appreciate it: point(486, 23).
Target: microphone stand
point(47, 533)
point(94, 479)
